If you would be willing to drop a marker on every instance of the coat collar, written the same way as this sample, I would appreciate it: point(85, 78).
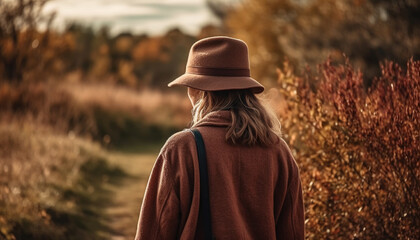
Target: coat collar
point(220, 118)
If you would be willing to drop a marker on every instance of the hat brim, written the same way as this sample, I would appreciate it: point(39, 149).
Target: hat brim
point(217, 83)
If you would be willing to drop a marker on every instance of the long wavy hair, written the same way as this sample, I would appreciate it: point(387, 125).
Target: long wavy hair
point(252, 123)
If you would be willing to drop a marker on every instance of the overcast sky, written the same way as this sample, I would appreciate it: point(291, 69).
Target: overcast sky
point(138, 16)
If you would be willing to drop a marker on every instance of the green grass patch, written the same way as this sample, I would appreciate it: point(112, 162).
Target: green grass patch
point(121, 129)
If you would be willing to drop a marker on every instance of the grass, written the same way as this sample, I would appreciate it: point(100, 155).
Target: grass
point(57, 180)
point(119, 129)
point(54, 186)
point(154, 107)
point(125, 210)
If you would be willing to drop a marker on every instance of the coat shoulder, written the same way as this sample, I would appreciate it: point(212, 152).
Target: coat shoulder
point(179, 151)
point(180, 140)
point(287, 156)
point(284, 146)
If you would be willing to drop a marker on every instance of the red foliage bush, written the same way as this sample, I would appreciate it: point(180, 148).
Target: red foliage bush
point(358, 149)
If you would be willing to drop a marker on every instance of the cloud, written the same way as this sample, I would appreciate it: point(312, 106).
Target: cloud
point(96, 8)
point(153, 17)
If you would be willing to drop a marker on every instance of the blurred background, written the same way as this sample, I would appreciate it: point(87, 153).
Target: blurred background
point(85, 108)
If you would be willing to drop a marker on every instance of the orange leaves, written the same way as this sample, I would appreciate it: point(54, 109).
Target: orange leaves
point(156, 49)
point(357, 149)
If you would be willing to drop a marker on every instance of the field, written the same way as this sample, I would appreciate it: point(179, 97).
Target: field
point(76, 159)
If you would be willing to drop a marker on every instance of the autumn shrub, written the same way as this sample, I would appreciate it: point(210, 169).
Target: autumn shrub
point(358, 149)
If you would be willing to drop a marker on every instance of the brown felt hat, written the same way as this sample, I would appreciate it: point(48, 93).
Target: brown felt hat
point(218, 63)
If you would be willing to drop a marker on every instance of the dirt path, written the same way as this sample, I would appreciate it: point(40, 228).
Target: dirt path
point(128, 195)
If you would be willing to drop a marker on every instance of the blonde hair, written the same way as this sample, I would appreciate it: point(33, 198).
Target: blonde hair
point(252, 123)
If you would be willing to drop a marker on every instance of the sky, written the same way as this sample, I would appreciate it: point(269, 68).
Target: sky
point(137, 16)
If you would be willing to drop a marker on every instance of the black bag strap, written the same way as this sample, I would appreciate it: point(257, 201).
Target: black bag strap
point(204, 184)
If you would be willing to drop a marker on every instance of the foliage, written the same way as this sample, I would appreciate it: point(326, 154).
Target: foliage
point(158, 60)
point(26, 52)
point(358, 149)
point(31, 51)
point(307, 31)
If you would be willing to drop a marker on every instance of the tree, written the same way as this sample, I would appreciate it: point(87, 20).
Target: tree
point(159, 59)
point(19, 36)
point(307, 31)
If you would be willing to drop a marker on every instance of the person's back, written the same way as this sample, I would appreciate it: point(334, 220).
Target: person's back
point(254, 185)
point(254, 191)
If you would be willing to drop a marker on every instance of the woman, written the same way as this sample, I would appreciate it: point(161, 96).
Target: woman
point(254, 186)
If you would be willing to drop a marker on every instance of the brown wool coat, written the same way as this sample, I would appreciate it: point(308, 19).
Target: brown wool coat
point(255, 192)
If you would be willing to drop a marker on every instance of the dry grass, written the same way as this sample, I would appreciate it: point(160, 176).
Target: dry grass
point(169, 109)
point(54, 182)
point(111, 114)
point(43, 182)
